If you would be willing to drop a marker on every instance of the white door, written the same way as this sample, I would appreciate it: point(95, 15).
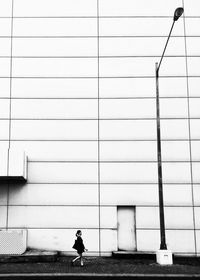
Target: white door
point(126, 228)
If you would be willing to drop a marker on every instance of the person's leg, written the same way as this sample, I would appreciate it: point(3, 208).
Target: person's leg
point(81, 259)
point(73, 261)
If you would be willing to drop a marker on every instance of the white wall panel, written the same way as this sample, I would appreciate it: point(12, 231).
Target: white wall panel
point(198, 240)
point(129, 27)
point(193, 45)
point(132, 129)
point(3, 194)
point(148, 240)
point(61, 239)
point(147, 217)
point(143, 87)
point(53, 216)
point(108, 240)
point(128, 173)
point(54, 47)
point(137, 108)
point(195, 148)
point(174, 129)
point(195, 172)
point(3, 215)
point(127, 87)
point(193, 66)
point(177, 195)
point(55, 194)
point(4, 127)
point(54, 88)
point(136, 150)
point(195, 128)
point(5, 67)
point(55, 8)
point(197, 217)
point(140, 46)
point(58, 150)
point(175, 150)
point(67, 67)
point(176, 172)
point(5, 23)
point(54, 130)
point(55, 27)
point(173, 87)
point(175, 217)
point(181, 241)
point(179, 217)
point(141, 8)
point(129, 194)
point(5, 45)
point(4, 146)
point(54, 109)
point(173, 108)
point(196, 190)
point(141, 66)
point(5, 88)
point(4, 108)
point(191, 25)
point(52, 172)
point(192, 10)
point(5, 8)
point(194, 107)
point(108, 217)
point(194, 84)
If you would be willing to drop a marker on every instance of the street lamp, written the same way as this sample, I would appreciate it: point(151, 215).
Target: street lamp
point(178, 12)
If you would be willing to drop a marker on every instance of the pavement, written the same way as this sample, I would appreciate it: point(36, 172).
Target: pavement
point(51, 265)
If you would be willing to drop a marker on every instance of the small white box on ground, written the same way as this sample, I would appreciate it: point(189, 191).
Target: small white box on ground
point(13, 242)
point(164, 257)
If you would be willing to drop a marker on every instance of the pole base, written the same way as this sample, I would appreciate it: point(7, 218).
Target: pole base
point(164, 257)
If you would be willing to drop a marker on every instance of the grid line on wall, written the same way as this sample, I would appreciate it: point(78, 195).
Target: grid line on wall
point(99, 164)
point(92, 36)
point(94, 17)
point(189, 127)
point(10, 108)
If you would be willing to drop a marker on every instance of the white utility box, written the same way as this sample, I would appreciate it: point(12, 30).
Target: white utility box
point(13, 165)
point(164, 257)
point(13, 242)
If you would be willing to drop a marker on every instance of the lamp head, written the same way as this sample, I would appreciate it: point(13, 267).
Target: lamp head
point(178, 12)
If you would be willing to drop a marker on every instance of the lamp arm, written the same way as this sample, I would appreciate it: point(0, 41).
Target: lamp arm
point(165, 46)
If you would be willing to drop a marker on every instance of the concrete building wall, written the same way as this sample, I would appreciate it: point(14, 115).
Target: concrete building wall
point(77, 93)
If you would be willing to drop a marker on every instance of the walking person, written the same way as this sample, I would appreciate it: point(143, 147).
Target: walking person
point(79, 247)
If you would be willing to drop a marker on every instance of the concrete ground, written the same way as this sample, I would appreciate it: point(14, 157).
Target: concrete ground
point(59, 267)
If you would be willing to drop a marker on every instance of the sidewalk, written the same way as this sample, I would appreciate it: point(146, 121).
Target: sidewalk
point(52, 265)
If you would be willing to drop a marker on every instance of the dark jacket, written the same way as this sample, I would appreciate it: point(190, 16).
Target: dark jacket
point(78, 245)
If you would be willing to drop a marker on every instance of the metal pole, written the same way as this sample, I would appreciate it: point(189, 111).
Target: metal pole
point(166, 45)
point(163, 245)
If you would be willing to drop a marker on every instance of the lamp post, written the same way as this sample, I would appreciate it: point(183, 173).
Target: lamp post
point(178, 12)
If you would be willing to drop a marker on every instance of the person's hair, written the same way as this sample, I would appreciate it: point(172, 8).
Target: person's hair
point(78, 232)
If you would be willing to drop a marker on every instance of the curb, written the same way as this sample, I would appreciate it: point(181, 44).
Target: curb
point(30, 257)
point(77, 276)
